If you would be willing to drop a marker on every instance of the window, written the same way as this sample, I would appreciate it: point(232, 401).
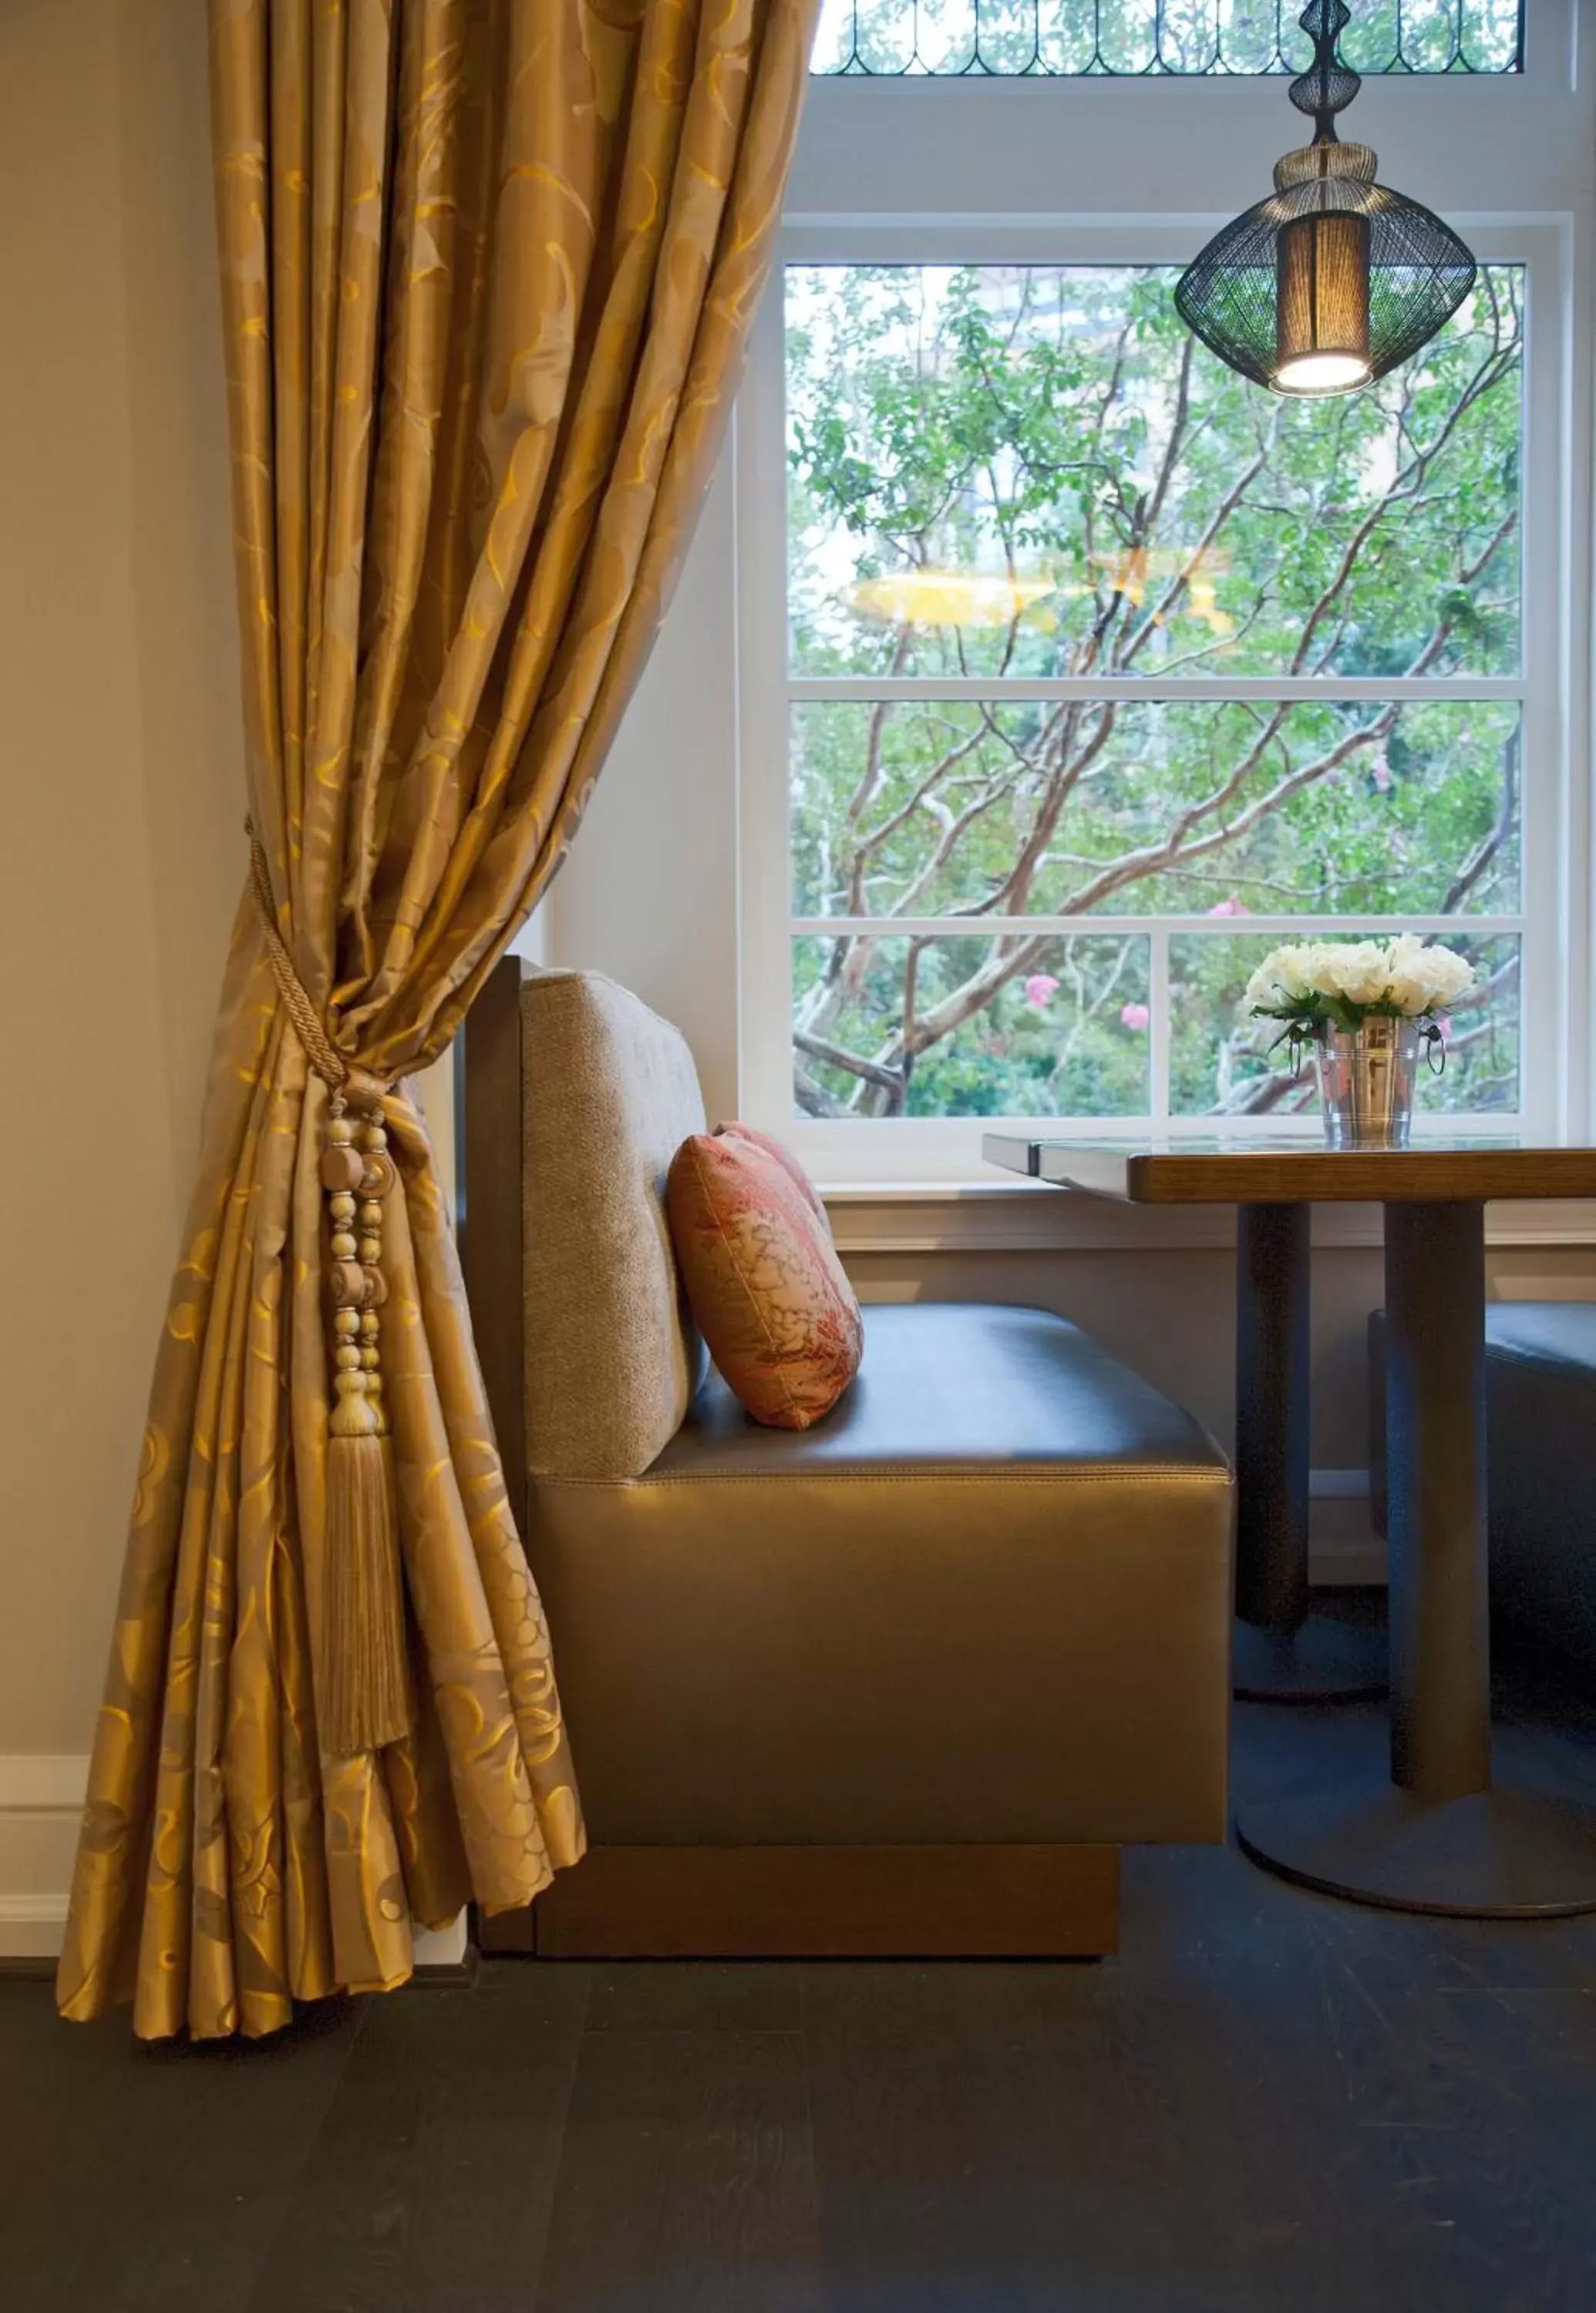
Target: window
point(1015, 38)
point(1107, 669)
point(1072, 671)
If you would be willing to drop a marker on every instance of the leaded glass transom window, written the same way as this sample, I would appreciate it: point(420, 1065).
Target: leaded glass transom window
point(1016, 38)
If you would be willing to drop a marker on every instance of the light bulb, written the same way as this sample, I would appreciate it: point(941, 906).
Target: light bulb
point(1321, 373)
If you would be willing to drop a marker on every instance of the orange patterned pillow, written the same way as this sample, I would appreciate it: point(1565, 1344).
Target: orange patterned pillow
point(733, 1130)
point(765, 1286)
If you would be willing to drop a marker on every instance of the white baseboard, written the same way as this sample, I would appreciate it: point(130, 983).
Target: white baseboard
point(31, 1926)
point(1346, 1562)
point(42, 1797)
point(441, 1947)
point(1344, 1550)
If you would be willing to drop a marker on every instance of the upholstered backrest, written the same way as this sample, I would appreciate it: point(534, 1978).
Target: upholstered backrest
point(609, 1093)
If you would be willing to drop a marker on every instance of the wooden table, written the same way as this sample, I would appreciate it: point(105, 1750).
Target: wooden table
point(1438, 1836)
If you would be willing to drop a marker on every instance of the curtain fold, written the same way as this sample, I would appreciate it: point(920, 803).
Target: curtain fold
point(487, 271)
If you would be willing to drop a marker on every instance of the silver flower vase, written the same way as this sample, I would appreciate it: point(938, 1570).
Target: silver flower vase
point(1366, 1078)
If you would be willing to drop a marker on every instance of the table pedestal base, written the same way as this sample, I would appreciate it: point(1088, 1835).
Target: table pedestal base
point(1493, 1855)
point(1322, 1660)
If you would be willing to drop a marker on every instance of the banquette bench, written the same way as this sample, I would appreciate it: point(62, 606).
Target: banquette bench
point(904, 1681)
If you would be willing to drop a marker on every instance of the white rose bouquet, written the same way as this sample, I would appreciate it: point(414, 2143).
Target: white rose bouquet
point(1341, 983)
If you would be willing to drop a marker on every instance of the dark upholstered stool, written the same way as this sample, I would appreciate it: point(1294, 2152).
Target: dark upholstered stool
point(1540, 1423)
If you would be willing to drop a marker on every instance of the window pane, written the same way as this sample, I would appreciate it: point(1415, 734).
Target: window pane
point(925, 807)
point(1036, 471)
point(1222, 1062)
point(1164, 36)
point(995, 1027)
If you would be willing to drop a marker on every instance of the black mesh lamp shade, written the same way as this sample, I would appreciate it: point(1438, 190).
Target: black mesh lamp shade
point(1335, 279)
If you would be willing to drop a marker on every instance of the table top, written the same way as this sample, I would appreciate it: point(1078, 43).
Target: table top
point(1289, 1172)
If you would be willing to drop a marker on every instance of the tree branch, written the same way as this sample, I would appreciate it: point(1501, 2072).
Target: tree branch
point(836, 1056)
point(1491, 843)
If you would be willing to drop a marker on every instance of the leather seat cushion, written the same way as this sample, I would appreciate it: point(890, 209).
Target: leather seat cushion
point(946, 1384)
point(1560, 1336)
point(989, 1599)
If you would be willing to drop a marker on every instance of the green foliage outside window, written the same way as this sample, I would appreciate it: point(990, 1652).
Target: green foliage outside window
point(1024, 473)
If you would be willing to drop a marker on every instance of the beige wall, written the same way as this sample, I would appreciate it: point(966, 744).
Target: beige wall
point(647, 895)
point(119, 746)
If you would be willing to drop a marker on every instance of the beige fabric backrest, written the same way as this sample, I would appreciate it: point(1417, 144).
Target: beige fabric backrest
point(609, 1094)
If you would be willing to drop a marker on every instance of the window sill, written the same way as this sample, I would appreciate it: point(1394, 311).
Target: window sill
point(1029, 1217)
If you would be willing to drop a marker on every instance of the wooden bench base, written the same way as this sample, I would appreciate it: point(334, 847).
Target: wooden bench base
point(822, 1903)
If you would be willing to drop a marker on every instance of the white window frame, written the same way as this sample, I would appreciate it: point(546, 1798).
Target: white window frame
point(1552, 683)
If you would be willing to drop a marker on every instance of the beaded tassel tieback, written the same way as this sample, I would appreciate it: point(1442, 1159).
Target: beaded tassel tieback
point(363, 1690)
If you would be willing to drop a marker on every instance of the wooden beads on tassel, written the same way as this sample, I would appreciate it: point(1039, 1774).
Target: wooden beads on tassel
point(357, 1174)
point(343, 1166)
point(376, 1178)
point(363, 1696)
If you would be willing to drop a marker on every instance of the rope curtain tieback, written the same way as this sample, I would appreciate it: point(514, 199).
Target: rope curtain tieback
point(364, 1698)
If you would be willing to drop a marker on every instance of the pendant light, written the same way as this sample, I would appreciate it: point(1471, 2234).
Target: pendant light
point(1333, 279)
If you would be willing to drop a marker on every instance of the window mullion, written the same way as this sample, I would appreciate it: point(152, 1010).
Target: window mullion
point(1161, 1023)
point(1383, 690)
point(976, 927)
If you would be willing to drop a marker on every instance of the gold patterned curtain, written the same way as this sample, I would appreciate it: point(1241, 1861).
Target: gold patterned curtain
point(488, 270)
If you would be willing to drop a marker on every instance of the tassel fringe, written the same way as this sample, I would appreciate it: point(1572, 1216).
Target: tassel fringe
point(368, 1688)
point(363, 1697)
point(366, 1700)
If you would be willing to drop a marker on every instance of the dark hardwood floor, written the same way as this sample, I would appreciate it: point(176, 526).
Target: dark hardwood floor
point(1269, 2103)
